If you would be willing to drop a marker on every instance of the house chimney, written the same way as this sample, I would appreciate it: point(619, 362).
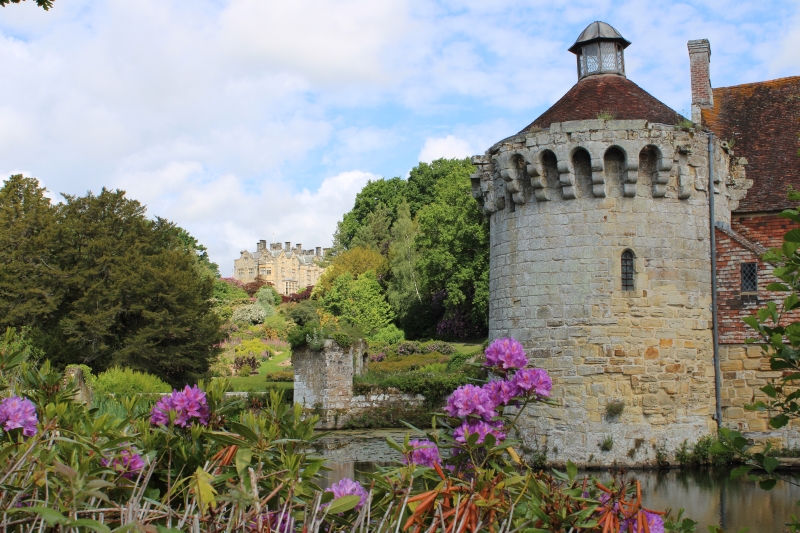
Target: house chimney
point(318, 251)
point(699, 61)
point(262, 245)
point(288, 246)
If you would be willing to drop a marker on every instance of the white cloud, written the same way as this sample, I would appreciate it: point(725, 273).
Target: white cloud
point(448, 147)
point(228, 214)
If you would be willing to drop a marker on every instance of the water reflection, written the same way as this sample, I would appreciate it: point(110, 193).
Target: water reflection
point(709, 496)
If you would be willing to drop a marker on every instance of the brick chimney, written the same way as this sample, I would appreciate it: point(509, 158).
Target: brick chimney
point(699, 61)
point(288, 247)
point(318, 251)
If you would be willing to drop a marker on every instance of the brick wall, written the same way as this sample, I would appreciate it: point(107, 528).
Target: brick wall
point(749, 236)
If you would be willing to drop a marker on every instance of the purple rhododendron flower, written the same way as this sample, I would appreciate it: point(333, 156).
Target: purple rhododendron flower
point(480, 427)
point(273, 521)
point(425, 453)
point(189, 404)
point(506, 353)
point(128, 464)
point(501, 391)
point(470, 400)
point(534, 380)
point(17, 412)
point(348, 487)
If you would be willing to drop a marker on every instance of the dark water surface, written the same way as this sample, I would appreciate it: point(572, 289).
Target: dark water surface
point(709, 496)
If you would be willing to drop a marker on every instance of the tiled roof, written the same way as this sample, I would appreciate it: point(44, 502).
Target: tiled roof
point(764, 119)
point(612, 94)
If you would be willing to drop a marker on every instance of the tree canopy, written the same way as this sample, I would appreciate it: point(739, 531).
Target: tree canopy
point(98, 283)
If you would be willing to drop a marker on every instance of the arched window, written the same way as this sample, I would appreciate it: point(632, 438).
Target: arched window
point(627, 270)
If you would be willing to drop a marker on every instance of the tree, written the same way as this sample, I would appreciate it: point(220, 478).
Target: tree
point(44, 4)
point(29, 278)
point(403, 289)
point(423, 178)
point(201, 252)
point(355, 261)
point(98, 283)
point(387, 192)
point(453, 241)
point(360, 301)
point(374, 232)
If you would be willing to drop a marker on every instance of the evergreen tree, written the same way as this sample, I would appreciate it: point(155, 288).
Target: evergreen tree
point(375, 232)
point(29, 277)
point(387, 192)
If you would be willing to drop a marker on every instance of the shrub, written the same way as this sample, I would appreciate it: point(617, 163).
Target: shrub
point(228, 289)
point(253, 347)
point(408, 348)
point(304, 313)
point(434, 387)
point(88, 377)
point(438, 346)
point(457, 361)
point(607, 444)
point(241, 361)
point(410, 362)
point(220, 369)
point(126, 382)
point(434, 368)
point(700, 453)
point(281, 376)
point(249, 314)
point(391, 416)
point(245, 371)
point(342, 339)
point(266, 296)
point(615, 408)
point(391, 334)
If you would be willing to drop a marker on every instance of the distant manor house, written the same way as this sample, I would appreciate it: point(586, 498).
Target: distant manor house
point(287, 269)
point(605, 251)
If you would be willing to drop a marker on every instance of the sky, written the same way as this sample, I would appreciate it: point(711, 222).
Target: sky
point(241, 120)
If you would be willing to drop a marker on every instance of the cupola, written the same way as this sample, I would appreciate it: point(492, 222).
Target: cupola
point(600, 50)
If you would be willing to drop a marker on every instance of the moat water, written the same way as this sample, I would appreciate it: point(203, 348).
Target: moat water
point(708, 495)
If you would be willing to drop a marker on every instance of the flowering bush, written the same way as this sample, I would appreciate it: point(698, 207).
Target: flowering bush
point(506, 354)
point(127, 463)
point(189, 405)
point(423, 453)
point(18, 413)
point(348, 487)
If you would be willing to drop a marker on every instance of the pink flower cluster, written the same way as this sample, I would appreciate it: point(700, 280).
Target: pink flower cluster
point(506, 354)
point(17, 412)
point(482, 428)
point(128, 463)
point(478, 405)
point(189, 405)
point(425, 453)
point(348, 487)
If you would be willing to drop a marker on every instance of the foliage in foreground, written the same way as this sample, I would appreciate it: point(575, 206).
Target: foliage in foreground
point(190, 464)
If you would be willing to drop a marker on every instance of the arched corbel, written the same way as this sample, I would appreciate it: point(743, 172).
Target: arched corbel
point(662, 177)
point(598, 178)
point(566, 175)
point(631, 177)
point(538, 177)
point(513, 167)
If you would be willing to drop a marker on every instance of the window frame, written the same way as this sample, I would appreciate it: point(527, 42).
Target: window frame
point(628, 270)
point(751, 289)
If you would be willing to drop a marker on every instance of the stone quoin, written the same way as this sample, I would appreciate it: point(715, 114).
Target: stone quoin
point(601, 263)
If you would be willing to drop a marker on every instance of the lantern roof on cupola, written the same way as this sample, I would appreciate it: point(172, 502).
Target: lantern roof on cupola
point(598, 31)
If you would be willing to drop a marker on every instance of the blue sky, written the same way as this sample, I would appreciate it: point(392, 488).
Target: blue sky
point(241, 119)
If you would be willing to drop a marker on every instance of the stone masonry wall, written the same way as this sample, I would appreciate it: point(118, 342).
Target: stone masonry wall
point(323, 384)
point(563, 206)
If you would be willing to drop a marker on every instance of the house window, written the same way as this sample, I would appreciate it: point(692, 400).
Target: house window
point(627, 270)
point(263, 271)
point(749, 277)
point(241, 272)
point(251, 271)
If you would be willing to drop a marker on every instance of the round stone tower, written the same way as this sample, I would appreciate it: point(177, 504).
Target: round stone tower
point(601, 264)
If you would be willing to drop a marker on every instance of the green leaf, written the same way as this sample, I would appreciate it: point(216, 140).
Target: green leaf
point(778, 421)
point(51, 516)
point(720, 447)
point(572, 470)
point(205, 493)
point(245, 432)
point(767, 484)
point(94, 525)
point(792, 236)
point(777, 287)
point(770, 464)
point(243, 458)
point(345, 503)
point(393, 444)
point(740, 471)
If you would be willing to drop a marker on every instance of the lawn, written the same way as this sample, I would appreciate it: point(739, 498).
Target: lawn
point(469, 348)
point(259, 381)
